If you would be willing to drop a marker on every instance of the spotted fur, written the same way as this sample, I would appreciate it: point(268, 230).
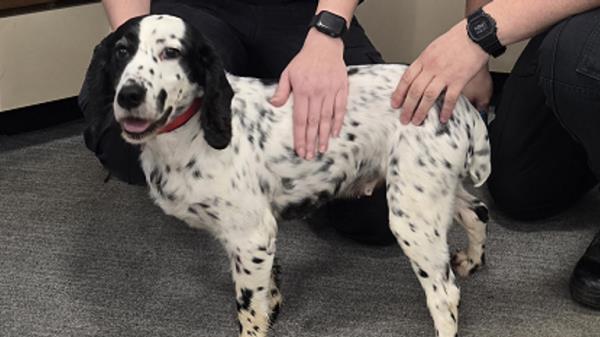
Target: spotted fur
point(232, 169)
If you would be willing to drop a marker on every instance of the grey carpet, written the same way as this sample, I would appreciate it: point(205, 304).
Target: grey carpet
point(79, 257)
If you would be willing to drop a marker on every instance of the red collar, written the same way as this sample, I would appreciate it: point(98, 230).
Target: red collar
point(183, 118)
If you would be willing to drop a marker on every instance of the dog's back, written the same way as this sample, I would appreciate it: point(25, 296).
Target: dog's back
point(360, 157)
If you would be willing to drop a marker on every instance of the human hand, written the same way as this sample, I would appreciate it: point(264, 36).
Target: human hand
point(480, 89)
point(319, 80)
point(448, 63)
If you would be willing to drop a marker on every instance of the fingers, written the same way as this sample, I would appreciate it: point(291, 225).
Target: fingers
point(325, 125)
point(300, 115)
point(284, 88)
point(430, 95)
point(450, 99)
point(415, 93)
point(339, 111)
point(405, 83)
point(312, 127)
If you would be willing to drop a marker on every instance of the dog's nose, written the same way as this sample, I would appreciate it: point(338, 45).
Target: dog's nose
point(131, 96)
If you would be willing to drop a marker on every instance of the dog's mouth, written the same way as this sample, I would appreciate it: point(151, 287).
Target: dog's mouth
point(138, 128)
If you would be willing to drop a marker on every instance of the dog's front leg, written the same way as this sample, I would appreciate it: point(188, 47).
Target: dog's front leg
point(252, 258)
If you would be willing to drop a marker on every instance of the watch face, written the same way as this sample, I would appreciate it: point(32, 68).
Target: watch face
point(331, 24)
point(480, 28)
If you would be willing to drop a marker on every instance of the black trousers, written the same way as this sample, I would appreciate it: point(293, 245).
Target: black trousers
point(257, 41)
point(546, 137)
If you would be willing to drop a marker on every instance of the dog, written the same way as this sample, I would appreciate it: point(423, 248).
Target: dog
point(218, 156)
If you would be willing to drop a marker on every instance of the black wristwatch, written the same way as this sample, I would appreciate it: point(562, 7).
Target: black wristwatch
point(329, 23)
point(482, 29)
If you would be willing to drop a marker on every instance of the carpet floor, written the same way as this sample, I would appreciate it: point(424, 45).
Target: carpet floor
point(80, 257)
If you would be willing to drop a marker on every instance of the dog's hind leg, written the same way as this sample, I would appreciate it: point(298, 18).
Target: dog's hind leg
point(420, 201)
point(255, 276)
point(472, 214)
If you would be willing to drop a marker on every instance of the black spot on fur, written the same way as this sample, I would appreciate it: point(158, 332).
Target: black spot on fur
point(287, 183)
point(354, 123)
point(192, 210)
point(265, 187)
point(160, 41)
point(257, 260)
point(274, 314)
point(326, 165)
point(160, 100)
point(482, 213)
point(406, 243)
point(151, 71)
point(351, 137)
point(397, 212)
point(244, 302)
point(212, 215)
point(442, 129)
point(352, 71)
point(423, 274)
point(190, 163)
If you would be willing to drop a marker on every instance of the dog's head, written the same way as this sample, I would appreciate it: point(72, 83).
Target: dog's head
point(151, 70)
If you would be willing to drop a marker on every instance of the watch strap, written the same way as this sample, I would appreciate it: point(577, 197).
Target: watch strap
point(490, 44)
point(316, 23)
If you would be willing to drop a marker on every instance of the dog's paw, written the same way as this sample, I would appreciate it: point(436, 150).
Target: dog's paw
point(465, 265)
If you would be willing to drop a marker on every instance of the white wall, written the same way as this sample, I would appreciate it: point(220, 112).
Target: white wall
point(401, 29)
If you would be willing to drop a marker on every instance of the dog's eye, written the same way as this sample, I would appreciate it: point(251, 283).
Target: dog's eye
point(169, 54)
point(121, 52)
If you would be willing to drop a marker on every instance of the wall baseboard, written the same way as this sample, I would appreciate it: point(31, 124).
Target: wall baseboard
point(39, 116)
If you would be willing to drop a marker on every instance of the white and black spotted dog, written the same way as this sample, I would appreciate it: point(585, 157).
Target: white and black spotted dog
point(218, 156)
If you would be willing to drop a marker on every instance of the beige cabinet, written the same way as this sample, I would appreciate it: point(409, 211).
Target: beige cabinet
point(43, 55)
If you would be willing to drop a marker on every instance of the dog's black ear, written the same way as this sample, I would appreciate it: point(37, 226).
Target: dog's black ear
point(97, 93)
point(209, 73)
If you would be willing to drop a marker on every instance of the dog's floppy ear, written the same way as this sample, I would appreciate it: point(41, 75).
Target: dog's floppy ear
point(209, 73)
point(97, 93)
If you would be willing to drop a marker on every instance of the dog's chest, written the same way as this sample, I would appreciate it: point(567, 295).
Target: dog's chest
point(187, 190)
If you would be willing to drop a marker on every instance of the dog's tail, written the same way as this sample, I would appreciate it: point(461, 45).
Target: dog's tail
point(478, 156)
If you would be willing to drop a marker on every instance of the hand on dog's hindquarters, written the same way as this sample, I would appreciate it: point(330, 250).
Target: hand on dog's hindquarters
point(448, 63)
point(318, 78)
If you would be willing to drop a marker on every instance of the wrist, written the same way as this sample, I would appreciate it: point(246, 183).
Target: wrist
point(316, 39)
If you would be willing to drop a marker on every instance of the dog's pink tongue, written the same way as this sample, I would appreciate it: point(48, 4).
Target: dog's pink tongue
point(135, 125)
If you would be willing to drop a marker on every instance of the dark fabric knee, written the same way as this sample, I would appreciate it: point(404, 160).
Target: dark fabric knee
point(364, 220)
point(570, 78)
point(533, 195)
